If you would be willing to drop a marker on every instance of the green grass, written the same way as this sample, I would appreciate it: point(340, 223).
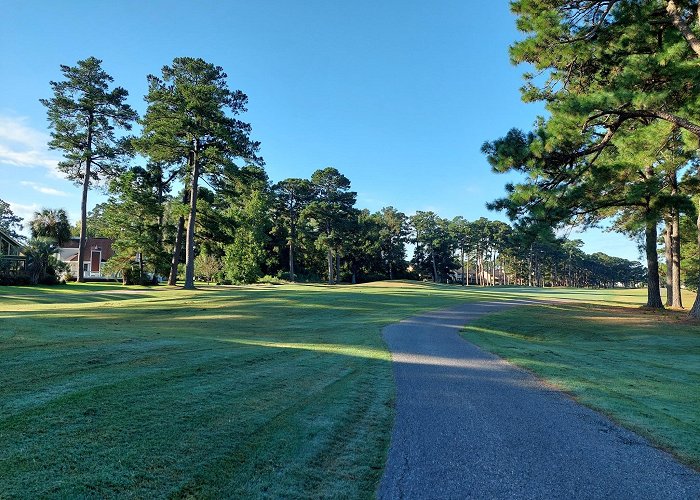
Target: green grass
point(259, 391)
point(640, 367)
point(270, 391)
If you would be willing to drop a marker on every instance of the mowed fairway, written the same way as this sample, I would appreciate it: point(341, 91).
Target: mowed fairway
point(286, 391)
point(256, 391)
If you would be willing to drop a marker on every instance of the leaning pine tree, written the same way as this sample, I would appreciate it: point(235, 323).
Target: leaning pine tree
point(83, 114)
point(190, 119)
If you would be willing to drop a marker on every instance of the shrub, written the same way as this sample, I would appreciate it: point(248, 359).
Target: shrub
point(271, 280)
point(14, 280)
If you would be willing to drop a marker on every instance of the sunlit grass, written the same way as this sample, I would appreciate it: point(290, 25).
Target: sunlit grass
point(254, 391)
point(640, 367)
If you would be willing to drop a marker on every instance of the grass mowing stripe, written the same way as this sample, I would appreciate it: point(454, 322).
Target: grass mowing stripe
point(144, 390)
point(254, 458)
point(162, 386)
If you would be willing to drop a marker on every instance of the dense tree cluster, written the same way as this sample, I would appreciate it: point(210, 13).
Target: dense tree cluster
point(489, 253)
point(189, 199)
point(619, 79)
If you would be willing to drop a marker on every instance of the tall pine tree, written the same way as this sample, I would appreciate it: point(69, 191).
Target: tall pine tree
point(83, 114)
point(191, 120)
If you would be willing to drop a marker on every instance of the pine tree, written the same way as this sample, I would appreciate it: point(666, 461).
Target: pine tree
point(191, 121)
point(9, 222)
point(331, 207)
point(612, 69)
point(83, 114)
point(393, 235)
point(292, 196)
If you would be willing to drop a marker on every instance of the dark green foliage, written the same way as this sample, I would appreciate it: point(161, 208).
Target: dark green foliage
point(434, 253)
point(329, 213)
point(83, 114)
point(243, 259)
point(133, 219)
point(14, 279)
point(291, 198)
point(394, 233)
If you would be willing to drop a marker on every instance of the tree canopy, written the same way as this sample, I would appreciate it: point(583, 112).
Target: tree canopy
point(618, 79)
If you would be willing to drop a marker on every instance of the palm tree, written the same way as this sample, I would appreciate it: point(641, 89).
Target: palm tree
point(51, 223)
point(40, 258)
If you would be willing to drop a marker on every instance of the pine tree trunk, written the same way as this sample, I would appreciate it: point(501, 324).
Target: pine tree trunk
point(83, 224)
point(494, 262)
point(462, 248)
point(695, 310)
point(191, 221)
point(292, 237)
point(157, 274)
point(479, 269)
point(141, 280)
point(330, 266)
point(668, 256)
point(177, 248)
point(83, 202)
point(529, 269)
point(676, 262)
point(432, 258)
point(291, 262)
point(653, 285)
point(467, 269)
point(337, 266)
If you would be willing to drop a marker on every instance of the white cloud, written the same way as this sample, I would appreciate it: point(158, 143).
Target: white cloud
point(27, 158)
point(14, 129)
point(24, 211)
point(23, 146)
point(43, 189)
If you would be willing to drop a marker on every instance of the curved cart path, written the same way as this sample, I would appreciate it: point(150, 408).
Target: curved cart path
point(470, 425)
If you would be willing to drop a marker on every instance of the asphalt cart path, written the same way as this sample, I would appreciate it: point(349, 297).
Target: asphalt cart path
point(470, 425)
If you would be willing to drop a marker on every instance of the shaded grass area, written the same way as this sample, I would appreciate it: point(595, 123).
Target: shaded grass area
point(640, 367)
point(245, 392)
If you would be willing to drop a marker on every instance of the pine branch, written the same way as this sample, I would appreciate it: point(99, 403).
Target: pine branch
point(682, 26)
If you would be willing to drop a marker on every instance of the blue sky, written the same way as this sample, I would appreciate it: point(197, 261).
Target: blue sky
point(398, 95)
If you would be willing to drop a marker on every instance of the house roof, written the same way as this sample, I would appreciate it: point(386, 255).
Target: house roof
point(9, 238)
point(67, 254)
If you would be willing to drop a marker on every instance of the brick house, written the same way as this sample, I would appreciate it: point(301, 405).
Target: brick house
point(96, 252)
